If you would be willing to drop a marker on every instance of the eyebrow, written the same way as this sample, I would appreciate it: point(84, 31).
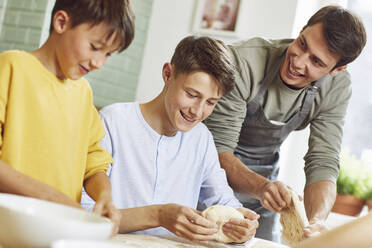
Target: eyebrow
point(199, 93)
point(302, 37)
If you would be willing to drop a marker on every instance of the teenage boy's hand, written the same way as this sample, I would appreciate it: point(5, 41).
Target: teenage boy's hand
point(275, 196)
point(186, 222)
point(105, 207)
point(242, 230)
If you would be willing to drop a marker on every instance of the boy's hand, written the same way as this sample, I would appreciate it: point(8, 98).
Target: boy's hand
point(186, 222)
point(242, 230)
point(105, 207)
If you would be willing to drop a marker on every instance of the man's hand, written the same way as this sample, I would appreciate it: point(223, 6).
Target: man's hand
point(275, 196)
point(314, 228)
point(186, 222)
point(105, 207)
point(242, 230)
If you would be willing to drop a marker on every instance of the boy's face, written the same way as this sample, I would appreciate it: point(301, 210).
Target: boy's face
point(189, 98)
point(308, 58)
point(82, 49)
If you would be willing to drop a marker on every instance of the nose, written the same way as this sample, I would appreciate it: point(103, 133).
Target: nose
point(97, 62)
point(197, 109)
point(300, 61)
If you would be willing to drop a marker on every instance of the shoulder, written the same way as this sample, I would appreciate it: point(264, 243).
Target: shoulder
point(14, 57)
point(334, 91)
point(200, 132)
point(118, 109)
point(256, 54)
point(260, 45)
point(340, 83)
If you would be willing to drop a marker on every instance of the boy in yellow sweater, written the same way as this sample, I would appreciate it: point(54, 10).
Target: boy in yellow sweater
point(50, 130)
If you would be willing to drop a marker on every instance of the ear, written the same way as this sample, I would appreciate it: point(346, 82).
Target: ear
point(167, 72)
point(335, 71)
point(60, 21)
point(304, 27)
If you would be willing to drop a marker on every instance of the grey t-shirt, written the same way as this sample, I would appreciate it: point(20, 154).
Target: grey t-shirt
point(253, 60)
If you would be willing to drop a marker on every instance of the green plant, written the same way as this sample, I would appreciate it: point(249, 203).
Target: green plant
point(353, 178)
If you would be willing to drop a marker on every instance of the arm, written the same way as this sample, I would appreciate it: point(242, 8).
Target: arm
point(99, 188)
point(182, 221)
point(322, 158)
point(215, 190)
point(96, 183)
point(14, 182)
point(318, 198)
point(273, 195)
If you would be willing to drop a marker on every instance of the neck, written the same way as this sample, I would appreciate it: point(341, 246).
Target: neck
point(156, 116)
point(47, 56)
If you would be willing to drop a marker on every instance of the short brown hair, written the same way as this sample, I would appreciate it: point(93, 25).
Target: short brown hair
point(343, 31)
point(207, 55)
point(117, 14)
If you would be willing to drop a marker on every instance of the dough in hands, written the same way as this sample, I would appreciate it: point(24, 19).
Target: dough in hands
point(220, 215)
point(293, 220)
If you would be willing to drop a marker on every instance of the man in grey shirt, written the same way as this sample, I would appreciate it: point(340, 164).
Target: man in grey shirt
point(281, 86)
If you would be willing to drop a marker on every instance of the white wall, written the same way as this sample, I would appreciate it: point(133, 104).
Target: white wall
point(171, 21)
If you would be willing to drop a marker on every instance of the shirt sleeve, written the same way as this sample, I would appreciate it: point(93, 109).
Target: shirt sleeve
point(227, 118)
point(5, 78)
point(98, 158)
point(215, 189)
point(326, 130)
point(86, 201)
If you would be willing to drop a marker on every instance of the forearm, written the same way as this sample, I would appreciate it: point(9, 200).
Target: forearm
point(98, 186)
point(14, 182)
point(319, 198)
point(240, 178)
point(140, 218)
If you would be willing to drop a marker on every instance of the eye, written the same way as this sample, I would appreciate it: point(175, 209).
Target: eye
point(108, 54)
point(190, 95)
point(317, 62)
point(94, 48)
point(210, 103)
point(301, 42)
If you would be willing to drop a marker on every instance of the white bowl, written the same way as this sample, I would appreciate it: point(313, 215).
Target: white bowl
point(87, 244)
point(29, 223)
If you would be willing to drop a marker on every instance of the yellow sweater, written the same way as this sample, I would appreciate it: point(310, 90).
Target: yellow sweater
point(49, 128)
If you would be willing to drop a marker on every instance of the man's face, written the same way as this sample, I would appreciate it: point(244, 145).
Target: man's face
point(189, 98)
point(82, 49)
point(308, 58)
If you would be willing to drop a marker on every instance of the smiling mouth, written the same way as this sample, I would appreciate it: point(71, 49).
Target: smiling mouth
point(292, 72)
point(188, 119)
point(83, 70)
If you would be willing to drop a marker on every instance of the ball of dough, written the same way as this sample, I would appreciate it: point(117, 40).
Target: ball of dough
point(220, 215)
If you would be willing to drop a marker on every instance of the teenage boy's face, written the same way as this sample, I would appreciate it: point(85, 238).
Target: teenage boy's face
point(308, 58)
point(189, 98)
point(82, 49)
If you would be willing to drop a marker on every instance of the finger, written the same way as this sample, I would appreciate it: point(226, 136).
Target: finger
point(184, 232)
point(285, 194)
point(238, 234)
point(249, 214)
point(242, 224)
point(98, 208)
point(270, 202)
point(275, 192)
point(199, 220)
point(197, 229)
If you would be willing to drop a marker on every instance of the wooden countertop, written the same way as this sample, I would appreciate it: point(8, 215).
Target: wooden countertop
point(148, 241)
